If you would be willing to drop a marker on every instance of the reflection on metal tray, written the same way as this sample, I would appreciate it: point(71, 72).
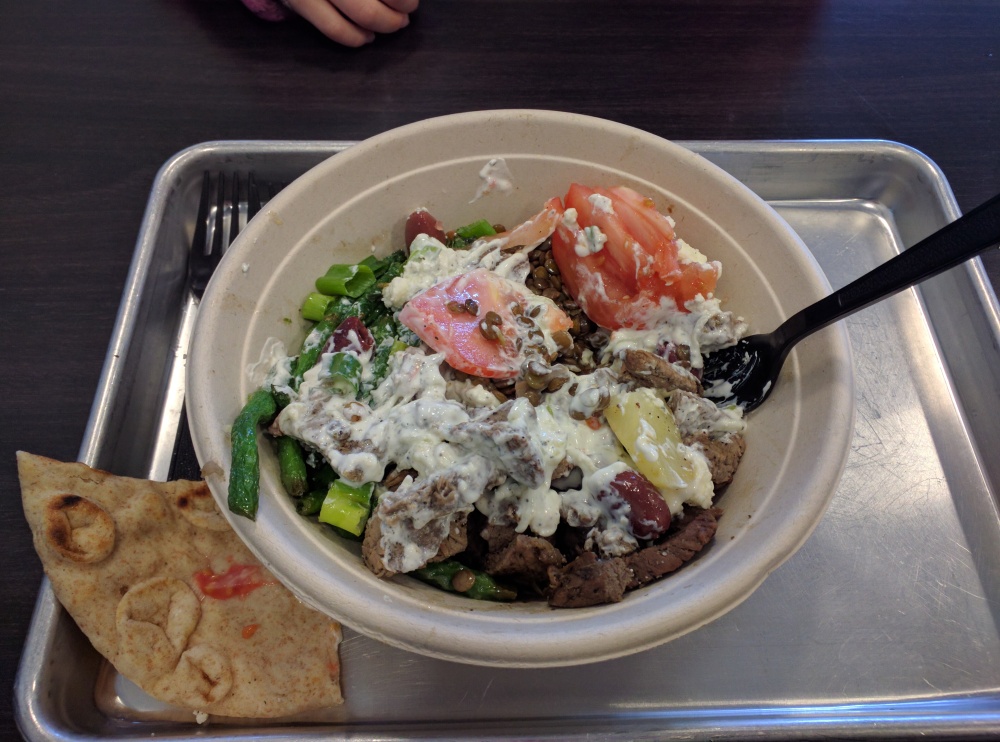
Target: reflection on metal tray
point(882, 625)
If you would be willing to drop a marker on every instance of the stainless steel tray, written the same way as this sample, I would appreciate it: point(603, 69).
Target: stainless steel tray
point(883, 625)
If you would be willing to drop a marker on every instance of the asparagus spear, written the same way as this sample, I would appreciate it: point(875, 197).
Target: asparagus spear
point(292, 465)
point(455, 577)
point(244, 470)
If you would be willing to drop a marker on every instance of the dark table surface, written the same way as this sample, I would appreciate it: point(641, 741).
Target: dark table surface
point(96, 95)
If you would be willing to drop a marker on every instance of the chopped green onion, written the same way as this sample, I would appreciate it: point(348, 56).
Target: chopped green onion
point(347, 507)
point(317, 306)
point(346, 280)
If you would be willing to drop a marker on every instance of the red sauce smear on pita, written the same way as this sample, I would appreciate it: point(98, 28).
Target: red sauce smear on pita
point(250, 629)
point(237, 581)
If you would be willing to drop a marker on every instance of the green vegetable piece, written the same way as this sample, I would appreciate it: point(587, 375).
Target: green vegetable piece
point(347, 507)
point(340, 309)
point(312, 348)
point(382, 329)
point(446, 575)
point(244, 471)
point(393, 270)
point(317, 306)
point(344, 374)
point(322, 477)
point(465, 236)
point(292, 465)
point(311, 502)
point(474, 231)
point(371, 308)
point(377, 265)
point(380, 359)
point(346, 280)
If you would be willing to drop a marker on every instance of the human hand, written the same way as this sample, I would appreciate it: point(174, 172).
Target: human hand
point(354, 22)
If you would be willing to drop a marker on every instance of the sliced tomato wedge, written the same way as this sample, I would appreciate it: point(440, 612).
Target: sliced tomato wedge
point(454, 317)
point(534, 230)
point(624, 283)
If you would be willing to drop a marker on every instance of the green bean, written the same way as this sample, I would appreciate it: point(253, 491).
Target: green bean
point(292, 465)
point(244, 470)
point(452, 576)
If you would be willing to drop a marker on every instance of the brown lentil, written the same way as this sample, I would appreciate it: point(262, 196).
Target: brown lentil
point(563, 339)
point(463, 580)
point(556, 383)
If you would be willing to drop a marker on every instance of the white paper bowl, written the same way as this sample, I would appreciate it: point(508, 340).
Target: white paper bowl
point(797, 442)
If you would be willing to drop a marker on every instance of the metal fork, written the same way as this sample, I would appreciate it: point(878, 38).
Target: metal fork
point(228, 202)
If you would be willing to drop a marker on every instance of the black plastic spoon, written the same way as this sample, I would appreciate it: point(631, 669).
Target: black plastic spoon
point(751, 366)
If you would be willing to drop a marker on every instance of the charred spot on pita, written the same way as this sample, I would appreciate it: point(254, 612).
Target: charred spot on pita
point(78, 529)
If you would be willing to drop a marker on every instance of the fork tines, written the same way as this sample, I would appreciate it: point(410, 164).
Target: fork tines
point(226, 204)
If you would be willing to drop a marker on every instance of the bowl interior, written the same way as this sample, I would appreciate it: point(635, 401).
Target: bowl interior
point(355, 204)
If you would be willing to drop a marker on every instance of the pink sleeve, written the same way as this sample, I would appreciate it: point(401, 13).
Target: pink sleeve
point(269, 10)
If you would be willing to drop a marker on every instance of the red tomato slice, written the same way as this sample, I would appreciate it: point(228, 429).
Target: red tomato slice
point(596, 287)
point(438, 316)
point(624, 283)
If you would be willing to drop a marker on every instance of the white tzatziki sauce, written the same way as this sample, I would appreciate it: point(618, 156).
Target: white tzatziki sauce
point(497, 453)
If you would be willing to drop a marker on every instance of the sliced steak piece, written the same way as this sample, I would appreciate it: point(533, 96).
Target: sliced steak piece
point(421, 520)
point(651, 563)
point(650, 370)
point(396, 477)
point(497, 536)
point(455, 542)
point(493, 436)
point(723, 454)
point(525, 559)
point(588, 580)
point(371, 547)
point(563, 468)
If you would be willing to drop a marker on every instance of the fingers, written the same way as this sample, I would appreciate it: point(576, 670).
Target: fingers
point(354, 22)
point(403, 6)
point(372, 15)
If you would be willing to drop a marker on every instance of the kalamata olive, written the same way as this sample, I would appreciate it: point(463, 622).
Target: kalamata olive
point(649, 516)
point(422, 222)
point(351, 334)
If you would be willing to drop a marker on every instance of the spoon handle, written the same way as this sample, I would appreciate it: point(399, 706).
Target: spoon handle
point(955, 243)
